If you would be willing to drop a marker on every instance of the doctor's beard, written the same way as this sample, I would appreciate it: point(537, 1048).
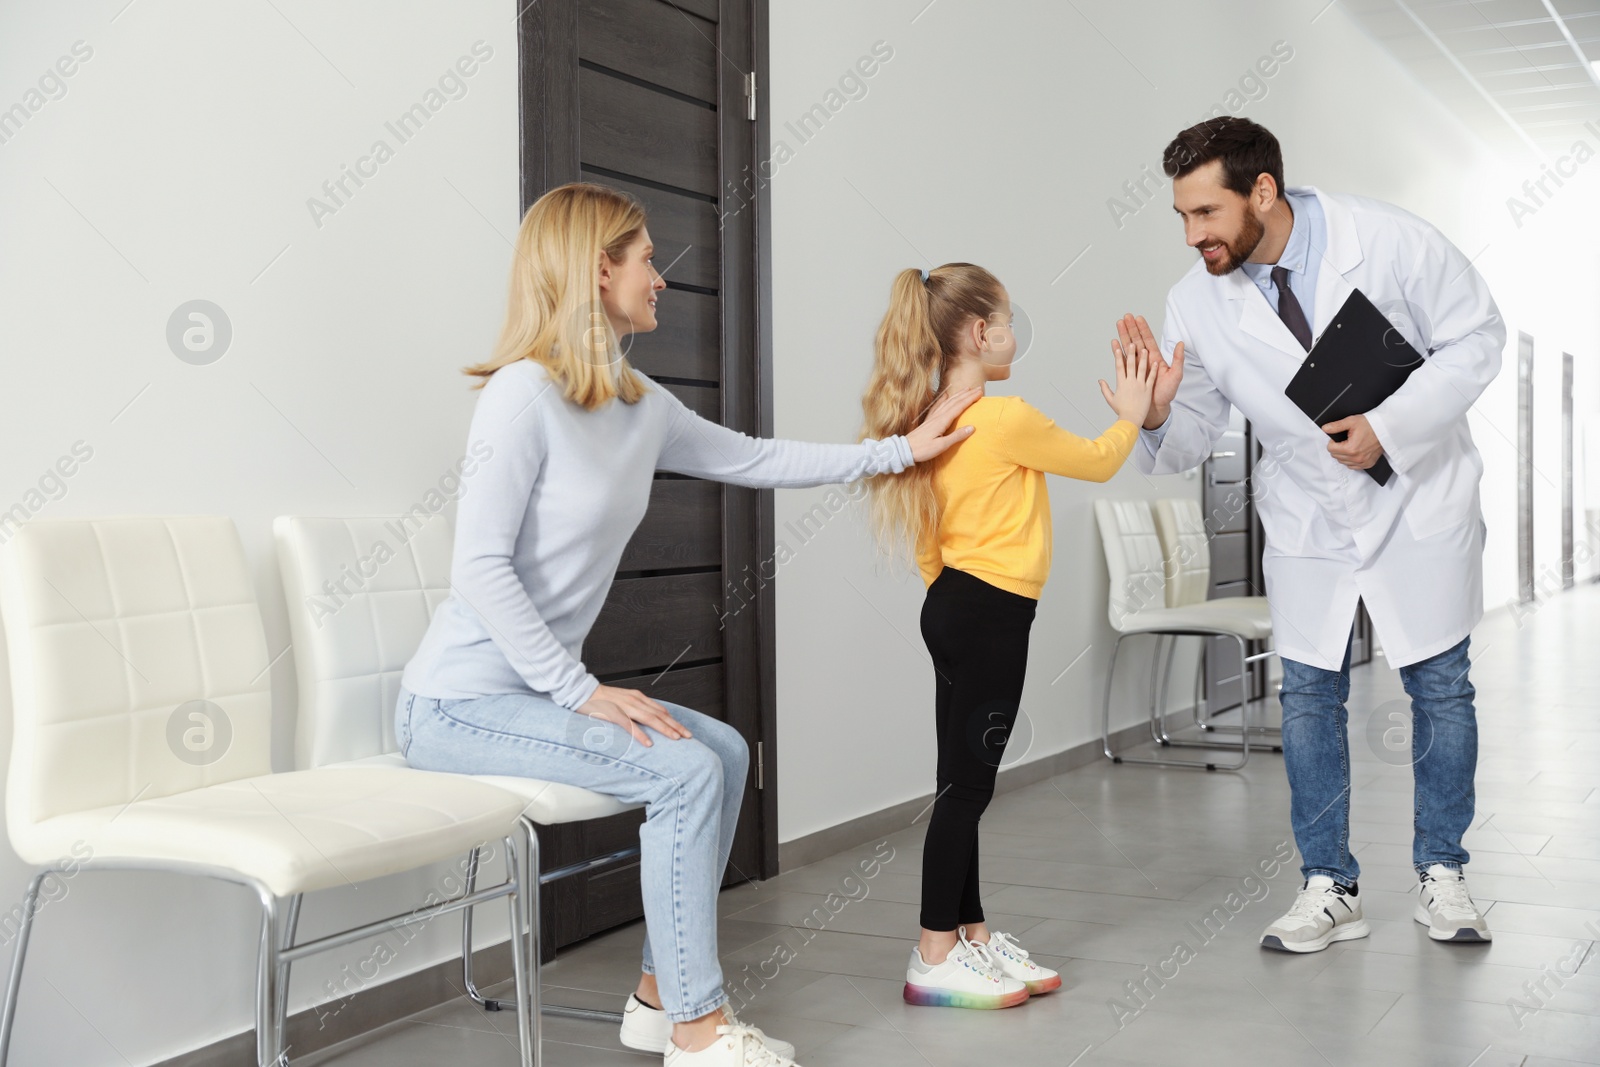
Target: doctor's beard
point(1240, 248)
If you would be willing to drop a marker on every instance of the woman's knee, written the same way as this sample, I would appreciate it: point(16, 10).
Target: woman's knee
point(726, 742)
point(693, 772)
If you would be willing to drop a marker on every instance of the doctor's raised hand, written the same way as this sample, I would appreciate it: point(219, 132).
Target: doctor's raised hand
point(1134, 332)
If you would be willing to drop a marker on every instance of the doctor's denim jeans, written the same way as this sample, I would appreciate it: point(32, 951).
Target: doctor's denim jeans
point(691, 789)
point(1444, 755)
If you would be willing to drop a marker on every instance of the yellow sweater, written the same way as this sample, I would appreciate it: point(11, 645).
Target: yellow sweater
point(995, 508)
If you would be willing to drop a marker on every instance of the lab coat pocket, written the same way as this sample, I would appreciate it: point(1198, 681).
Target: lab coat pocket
point(1445, 497)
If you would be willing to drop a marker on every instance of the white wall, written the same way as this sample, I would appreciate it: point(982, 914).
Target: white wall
point(998, 138)
point(177, 166)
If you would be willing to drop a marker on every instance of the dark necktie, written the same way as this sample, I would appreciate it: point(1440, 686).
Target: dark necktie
point(1289, 309)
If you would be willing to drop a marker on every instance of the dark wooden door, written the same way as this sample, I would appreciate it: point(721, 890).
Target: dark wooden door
point(656, 98)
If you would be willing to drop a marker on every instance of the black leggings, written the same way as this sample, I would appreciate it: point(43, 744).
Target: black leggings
point(977, 635)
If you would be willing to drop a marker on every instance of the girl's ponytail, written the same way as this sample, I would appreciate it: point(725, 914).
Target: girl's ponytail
point(916, 342)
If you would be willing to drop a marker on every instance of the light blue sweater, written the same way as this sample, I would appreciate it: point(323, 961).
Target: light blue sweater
point(543, 521)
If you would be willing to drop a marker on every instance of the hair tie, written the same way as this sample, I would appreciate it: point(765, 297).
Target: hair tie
point(924, 276)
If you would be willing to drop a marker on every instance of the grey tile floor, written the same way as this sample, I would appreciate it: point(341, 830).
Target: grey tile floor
point(1103, 871)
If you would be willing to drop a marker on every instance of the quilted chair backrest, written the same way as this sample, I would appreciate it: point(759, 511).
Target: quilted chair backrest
point(1187, 550)
point(1133, 557)
point(139, 666)
point(360, 594)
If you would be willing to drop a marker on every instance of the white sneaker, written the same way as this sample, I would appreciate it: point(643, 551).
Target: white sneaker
point(1323, 912)
point(736, 1046)
point(1014, 963)
point(969, 977)
point(649, 1030)
point(1445, 907)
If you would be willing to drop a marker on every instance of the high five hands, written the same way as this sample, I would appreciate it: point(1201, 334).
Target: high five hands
point(1358, 451)
point(1136, 377)
point(1133, 333)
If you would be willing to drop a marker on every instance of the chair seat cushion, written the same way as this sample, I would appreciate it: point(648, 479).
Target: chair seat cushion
point(294, 832)
point(546, 803)
point(1223, 615)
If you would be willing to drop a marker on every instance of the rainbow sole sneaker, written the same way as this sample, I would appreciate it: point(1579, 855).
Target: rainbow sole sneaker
point(969, 977)
point(1014, 963)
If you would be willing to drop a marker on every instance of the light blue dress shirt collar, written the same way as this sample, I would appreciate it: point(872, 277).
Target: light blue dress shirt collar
point(1302, 255)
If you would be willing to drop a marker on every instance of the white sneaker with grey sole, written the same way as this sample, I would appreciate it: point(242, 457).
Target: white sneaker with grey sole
point(736, 1046)
point(1445, 907)
point(649, 1030)
point(1322, 913)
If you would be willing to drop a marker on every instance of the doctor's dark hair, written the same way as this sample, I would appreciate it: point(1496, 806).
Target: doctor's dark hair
point(917, 342)
point(1247, 150)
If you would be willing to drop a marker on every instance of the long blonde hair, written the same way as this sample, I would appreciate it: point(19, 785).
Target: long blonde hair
point(554, 315)
point(917, 341)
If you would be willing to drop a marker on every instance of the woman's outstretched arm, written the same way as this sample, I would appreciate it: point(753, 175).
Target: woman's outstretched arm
point(699, 447)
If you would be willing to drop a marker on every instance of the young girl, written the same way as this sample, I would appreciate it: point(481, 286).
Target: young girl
point(576, 434)
point(978, 521)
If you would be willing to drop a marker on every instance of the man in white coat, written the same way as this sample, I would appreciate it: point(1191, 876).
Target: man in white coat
point(1275, 266)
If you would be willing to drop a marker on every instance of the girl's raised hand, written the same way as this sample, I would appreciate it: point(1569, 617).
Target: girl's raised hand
point(929, 438)
point(1137, 367)
point(1168, 376)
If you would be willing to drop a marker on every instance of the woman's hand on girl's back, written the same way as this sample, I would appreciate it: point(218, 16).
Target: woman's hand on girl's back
point(929, 439)
point(628, 708)
point(1137, 367)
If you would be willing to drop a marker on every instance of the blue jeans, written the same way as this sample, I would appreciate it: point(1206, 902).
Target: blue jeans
point(1316, 754)
point(691, 789)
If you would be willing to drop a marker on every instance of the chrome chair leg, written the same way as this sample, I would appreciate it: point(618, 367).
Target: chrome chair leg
point(290, 923)
point(1165, 651)
point(488, 1003)
point(529, 877)
point(527, 996)
point(269, 1053)
point(478, 998)
point(1267, 732)
point(1164, 673)
point(1261, 731)
point(1243, 748)
point(1105, 703)
point(30, 904)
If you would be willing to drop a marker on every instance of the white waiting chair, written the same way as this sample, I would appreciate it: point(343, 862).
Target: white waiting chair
point(1138, 605)
point(351, 642)
point(142, 721)
point(1186, 550)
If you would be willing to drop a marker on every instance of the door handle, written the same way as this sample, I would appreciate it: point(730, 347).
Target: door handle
point(1211, 476)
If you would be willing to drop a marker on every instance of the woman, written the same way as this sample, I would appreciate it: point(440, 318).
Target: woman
point(574, 434)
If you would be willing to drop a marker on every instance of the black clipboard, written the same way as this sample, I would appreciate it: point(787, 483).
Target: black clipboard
point(1357, 364)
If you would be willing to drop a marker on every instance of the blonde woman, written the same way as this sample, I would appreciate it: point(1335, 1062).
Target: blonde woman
point(576, 434)
point(978, 522)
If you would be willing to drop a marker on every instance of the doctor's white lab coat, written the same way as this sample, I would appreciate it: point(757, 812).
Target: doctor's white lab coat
point(1412, 549)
